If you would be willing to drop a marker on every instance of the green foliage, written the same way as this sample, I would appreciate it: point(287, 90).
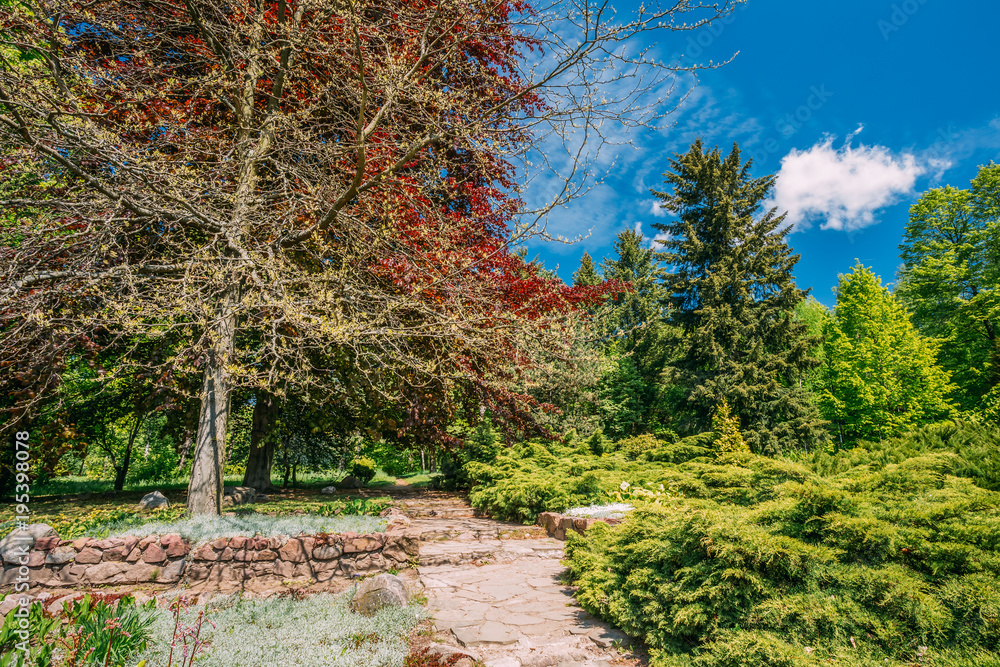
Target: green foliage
point(635, 447)
point(733, 294)
point(729, 441)
point(95, 632)
point(622, 406)
point(587, 275)
point(355, 507)
point(879, 376)
point(950, 279)
point(364, 469)
point(887, 555)
point(113, 633)
point(597, 443)
point(479, 443)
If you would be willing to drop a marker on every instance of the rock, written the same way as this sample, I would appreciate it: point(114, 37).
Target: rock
point(153, 500)
point(89, 556)
point(239, 495)
point(443, 652)
point(154, 554)
point(490, 632)
point(297, 549)
point(60, 555)
point(328, 490)
point(350, 482)
point(608, 638)
point(105, 572)
point(21, 541)
point(327, 552)
point(384, 590)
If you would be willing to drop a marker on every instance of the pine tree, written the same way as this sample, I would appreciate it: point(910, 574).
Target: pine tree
point(880, 376)
point(586, 275)
point(732, 292)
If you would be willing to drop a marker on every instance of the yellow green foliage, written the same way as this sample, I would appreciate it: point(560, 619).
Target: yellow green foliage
point(884, 556)
point(729, 441)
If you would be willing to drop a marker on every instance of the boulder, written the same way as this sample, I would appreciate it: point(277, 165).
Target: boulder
point(350, 482)
point(384, 590)
point(153, 500)
point(238, 495)
point(21, 541)
point(328, 490)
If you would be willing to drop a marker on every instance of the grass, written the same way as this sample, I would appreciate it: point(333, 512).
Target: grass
point(203, 528)
point(319, 630)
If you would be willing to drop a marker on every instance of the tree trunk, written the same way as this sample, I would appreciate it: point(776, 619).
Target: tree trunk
point(258, 473)
point(122, 470)
point(205, 488)
point(185, 449)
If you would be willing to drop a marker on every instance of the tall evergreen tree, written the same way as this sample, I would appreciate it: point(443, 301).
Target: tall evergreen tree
point(636, 318)
point(731, 290)
point(880, 376)
point(586, 275)
point(642, 306)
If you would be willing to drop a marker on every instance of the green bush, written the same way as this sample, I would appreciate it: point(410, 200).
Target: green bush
point(364, 469)
point(883, 556)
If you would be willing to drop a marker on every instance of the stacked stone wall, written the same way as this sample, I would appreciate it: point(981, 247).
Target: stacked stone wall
point(169, 559)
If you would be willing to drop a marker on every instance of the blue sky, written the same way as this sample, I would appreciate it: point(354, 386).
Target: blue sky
point(858, 106)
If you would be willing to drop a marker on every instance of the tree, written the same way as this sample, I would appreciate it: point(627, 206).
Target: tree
point(732, 293)
point(587, 274)
point(950, 280)
point(622, 406)
point(880, 377)
point(282, 182)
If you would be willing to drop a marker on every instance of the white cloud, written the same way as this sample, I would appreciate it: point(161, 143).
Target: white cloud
point(843, 187)
point(657, 210)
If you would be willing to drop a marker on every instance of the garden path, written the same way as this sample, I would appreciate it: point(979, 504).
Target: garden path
point(497, 589)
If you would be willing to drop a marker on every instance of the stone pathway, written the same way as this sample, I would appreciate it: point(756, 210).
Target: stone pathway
point(496, 590)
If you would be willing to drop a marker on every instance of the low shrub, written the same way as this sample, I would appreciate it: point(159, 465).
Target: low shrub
point(879, 558)
point(364, 469)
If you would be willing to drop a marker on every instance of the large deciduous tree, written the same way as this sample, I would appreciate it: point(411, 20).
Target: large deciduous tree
point(950, 281)
point(290, 183)
point(732, 292)
point(880, 376)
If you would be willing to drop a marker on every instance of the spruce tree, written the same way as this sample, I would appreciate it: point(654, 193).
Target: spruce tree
point(586, 275)
point(635, 319)
point(732, 292)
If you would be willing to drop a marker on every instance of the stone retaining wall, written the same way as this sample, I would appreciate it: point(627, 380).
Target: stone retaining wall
point(557, 525)
point(169, 559)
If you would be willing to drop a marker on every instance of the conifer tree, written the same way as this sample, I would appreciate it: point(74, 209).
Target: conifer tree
point(636, 318)
point(586, 275)
point(880, 376)
point(642, 306)
point(732, 292)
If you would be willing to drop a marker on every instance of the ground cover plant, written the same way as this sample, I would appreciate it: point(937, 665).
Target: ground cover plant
point(886, 555)
point(231, 630)
point(201, 528)
point(316, 630)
